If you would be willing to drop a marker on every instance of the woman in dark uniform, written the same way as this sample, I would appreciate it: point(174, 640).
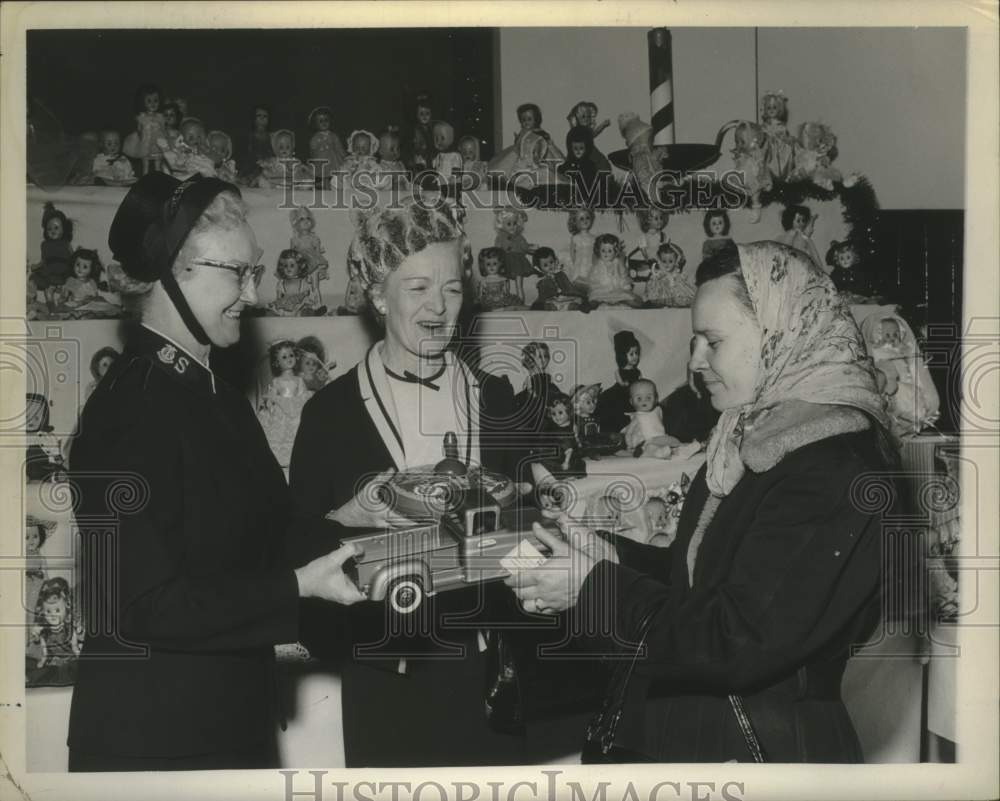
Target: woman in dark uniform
point(183, 510)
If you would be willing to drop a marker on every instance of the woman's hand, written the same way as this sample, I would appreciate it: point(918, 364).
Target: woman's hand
point(325, 578)
point(369, 508)
point(554, 585)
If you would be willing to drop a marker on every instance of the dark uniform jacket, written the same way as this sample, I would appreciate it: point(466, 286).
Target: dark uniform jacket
point(183, 511)
point(785, 582)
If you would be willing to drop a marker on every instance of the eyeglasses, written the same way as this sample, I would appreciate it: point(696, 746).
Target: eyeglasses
point(245, 272)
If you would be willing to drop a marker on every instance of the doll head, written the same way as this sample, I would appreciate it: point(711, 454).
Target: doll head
point(819, 138)
point(584, 399)
point(220, 147)
point(545, 261)
point(773, 107)
point(86, 264)
point(843, 255)
point(283, 144)
point(284, 357)
point(559, 411)
point(261, 119)
point(193, 132)
point(389, 145)
point(362, 143)
point(796, 217)
point(313, 366)
point(670, 257)
point(291, 265)
point(423, 109)
point(302, 219)
point(747, 136)
point(443, 135)
point(716, 223)
point(321, 119)
point(491, 261)
point(54, 606)
point(529, 116)
point(652, 219)
point(56, 226)
point(579, 143)
point(36, 413)
point(585, 114)
point(510, 220)
point(171, 116)
point(580, 221)
point(101, 362)
point(642, 395)
point(607, 247)
point(111, 143)
point(35, 533)
point(468, 147)
point(147, 99)
point(535, 357)
point(627, 350)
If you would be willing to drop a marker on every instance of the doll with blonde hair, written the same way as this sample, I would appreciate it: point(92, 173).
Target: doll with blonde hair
point(509, 224)
point(608, 280)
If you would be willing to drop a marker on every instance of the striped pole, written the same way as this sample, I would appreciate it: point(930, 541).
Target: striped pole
point(661, 87)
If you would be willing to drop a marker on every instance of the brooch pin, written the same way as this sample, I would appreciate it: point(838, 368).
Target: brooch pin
point(167, 354)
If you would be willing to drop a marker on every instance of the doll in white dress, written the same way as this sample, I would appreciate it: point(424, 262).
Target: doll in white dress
point(646, 417)
point(307, 244)
point(653, 223)
point(280, 407)
point(150, 127)
point(581, 244)
point(608, 279)
point(282, 169)
point(667, 285)
point(361, 148)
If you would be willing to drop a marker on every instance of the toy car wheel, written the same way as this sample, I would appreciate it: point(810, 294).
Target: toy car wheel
point(405, 595)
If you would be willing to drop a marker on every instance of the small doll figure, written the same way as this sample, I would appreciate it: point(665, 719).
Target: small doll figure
point(667, 285)
point(362, 147)
point(83, 284)
point(584, 115)
point(100, 363)
point(533, 156)
point(294, 295)
point(281, 406)
point(257, 148)
point(556, 444)
point(307, 244)
point(354, 297)
point(282, 169)
point(58, 634)
point(579, 167)
point(716, 226)
point(799, 223)
point(112, 167)
point(815, 151)
point(913, 401)
point(653, 224)
point(150, 126)
point(509, 224)
point(171, 122)
point(36, 531)
point(851, 280)
point(44, 459)
point(646, 417)
point(643, 157)
point(615, 402)
point(422, 138)
point(391, 170)
point(608, 279)
point(584, 401)
point(220, 150)
point(447, 161)
point(326, 151)
point(581, 244)
point(538, 386)
point(189, 154)
point(780, 145)
point(313, 366)
point(750, 157)
point(57, 255)
point(472, 164)
point(494, 291)
point(554, 283)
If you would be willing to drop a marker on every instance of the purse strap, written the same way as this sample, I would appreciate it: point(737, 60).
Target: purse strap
point(746, 727)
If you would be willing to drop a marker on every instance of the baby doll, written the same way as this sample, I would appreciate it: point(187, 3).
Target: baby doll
point(608, 280)
point(282, 169)
point(584, 115)
point(313, 366)
point(468, 149)
point(308, 245)
point(653, 224)
point(494, 291)
point(257, 148)
point(362, 147)
point(799, 223)
point(294, 294)
point(509, 224)
point(83, 284)
point(750, 158)
point(780, 145)
point(913, 400)
point(44, 460)
point(57, 255)
point(100, 363)
point(111, 166)
point(326, 150)
point(220, 150)
point(188, 156)
point(281, 406)
point(814, 153)
point(57, 632)
point(716, 225)
point(643, 157)
point(647, 417)
point(847, 275)
point(667, 285)
point(554, 281)
point(581, 244)
point(150, 126)
point(391, 169)
point(447, 161)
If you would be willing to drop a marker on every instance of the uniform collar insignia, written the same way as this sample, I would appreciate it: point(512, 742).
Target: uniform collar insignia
point(173, 359)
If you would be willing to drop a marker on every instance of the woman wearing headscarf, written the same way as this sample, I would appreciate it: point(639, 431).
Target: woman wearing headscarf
point(748, 619)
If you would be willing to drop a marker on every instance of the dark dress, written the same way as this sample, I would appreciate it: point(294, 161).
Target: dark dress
point(179, 489)
point(786, 580)
point(614, 403)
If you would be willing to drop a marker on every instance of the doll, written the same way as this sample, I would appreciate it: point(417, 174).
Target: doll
point(282, 169)
point(281, 406)
point(799, 223)
point(538, 387)
point(391, 169)
point(556, 451)
point(608, 281)
point(112, 167)
point(294, 293)
point(257, 148)
point(44, 459)
point(643, 157)
point(150, 126)
point(308, 245)
point(750, 158)
point(171, 122)
point(494, 292)
point(716, 226)
point(446, 161)
point(83, 284)
point(326, 150)
point(472, 164)
point(584, 402)
point(667, 285)
point(780, 145)
point(57, 255)
point(554, 283)
point(584, 115)
point(36, 532)
point(422, 138)
point(220, 150)
point(188, 156)
point(354, 297)
point(362, 147)
point(815, 151)
point(615, 403)
point(646, 417)
point(581, 244)
point(509, 224)
point(851, 280)
point(58, 634)
point(313, 366)
point(913, 400)
point(579, 167)
point(533, 156)
point(100, 363)
point(653, 224)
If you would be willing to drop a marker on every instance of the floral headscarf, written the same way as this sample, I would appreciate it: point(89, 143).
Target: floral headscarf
point(811, 351)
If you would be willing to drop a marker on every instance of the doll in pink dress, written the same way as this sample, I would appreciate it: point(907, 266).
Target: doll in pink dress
point(509, 224)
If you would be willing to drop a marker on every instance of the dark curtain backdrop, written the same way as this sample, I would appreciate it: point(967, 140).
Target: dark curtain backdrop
point(370, 77)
